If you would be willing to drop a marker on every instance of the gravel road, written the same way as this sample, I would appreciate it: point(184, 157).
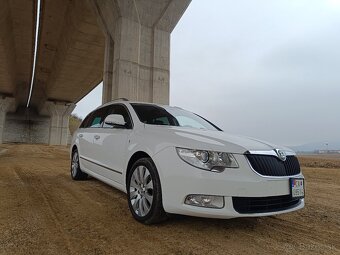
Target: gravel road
point(42, 211)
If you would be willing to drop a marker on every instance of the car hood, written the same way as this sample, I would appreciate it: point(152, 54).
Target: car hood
point(208, 140)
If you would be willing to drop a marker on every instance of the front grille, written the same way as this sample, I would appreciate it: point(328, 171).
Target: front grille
point(272, 166)
point(264, 204)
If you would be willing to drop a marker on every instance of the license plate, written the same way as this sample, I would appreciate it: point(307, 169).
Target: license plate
point(297, 187)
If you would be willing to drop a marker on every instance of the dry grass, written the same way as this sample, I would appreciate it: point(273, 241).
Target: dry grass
point(320, 161)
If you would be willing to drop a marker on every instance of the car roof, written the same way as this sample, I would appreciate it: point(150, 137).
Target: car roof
point(125, 101)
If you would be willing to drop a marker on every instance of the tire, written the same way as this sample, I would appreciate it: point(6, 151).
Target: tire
point(76, 172)
point(145, 194)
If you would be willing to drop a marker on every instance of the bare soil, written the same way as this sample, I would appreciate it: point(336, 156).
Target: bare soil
point(42, 211)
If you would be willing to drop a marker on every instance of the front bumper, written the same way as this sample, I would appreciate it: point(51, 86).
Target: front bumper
point(179, 179)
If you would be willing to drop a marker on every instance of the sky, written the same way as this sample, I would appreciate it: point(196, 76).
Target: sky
point(260, 68)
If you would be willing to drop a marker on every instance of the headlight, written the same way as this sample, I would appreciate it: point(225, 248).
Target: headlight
point(208, 160)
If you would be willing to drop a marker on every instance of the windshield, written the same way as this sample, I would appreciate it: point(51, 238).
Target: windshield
point(171, 116)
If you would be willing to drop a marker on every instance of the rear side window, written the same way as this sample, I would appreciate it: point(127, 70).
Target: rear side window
point(85, 121)
point(96, 122)
point(97, 118)
point(94, 119)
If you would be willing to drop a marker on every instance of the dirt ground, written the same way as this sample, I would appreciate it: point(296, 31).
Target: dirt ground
point(42, 211)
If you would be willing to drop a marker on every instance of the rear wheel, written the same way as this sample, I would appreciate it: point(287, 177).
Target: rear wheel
point(144, 192)
point(76, 172)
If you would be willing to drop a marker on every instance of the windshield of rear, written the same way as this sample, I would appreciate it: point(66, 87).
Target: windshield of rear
point(170, 116)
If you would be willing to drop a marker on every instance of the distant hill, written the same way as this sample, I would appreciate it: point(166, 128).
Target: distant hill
point(309, 147)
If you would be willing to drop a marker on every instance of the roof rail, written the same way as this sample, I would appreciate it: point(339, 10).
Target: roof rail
point(121, 99)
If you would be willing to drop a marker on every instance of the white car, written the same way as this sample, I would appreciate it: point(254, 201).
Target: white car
point(171, 161)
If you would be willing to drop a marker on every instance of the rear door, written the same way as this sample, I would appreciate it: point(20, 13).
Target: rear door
point(111, 144)
point(84, 140)
point(86, 136)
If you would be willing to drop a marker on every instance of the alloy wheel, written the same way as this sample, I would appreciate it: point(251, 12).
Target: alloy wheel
point(74, 164)
point(141, 191)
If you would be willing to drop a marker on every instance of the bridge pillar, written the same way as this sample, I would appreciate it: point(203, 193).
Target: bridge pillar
point(108, 70)
point(59, 121)
point(6, 104)
point(24, 125)
point(137, 56)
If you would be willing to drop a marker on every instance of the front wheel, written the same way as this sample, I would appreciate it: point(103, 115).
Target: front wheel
point(144, 192)
point(76, 172)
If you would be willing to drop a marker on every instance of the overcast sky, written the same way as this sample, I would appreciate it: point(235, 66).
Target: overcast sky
point(261, 68)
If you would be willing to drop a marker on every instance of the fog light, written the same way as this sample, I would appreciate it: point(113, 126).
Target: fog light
point(205, 201)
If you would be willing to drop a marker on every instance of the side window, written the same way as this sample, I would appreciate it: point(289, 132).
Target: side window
point(85, 122)
point(122, 110)
point(96, 119)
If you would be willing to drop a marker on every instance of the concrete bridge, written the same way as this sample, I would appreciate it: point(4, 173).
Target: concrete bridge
point(124, 43)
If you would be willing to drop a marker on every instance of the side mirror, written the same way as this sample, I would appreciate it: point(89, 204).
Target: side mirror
point(115, 120)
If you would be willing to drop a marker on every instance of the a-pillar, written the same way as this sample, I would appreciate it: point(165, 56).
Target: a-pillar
point(137, 55)
point(7, 104)
point(59, 123)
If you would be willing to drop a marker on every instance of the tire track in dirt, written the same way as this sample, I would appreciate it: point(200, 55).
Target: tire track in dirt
point(42, 211)
point(39, 190)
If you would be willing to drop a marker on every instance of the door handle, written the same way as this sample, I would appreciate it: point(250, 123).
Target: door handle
point(81, 135)
point(96, 137)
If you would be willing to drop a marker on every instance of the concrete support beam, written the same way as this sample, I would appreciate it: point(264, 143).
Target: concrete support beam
point(7, 104)
point(70, 53)
point(137, 56)
point(59, 123)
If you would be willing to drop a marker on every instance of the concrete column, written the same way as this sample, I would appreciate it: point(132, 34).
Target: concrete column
point(141, 62)
point(108, 69)
point(59, 124)
point(138, 41)
point(7, 104)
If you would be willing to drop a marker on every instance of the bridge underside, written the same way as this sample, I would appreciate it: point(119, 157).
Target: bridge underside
point(124, 43)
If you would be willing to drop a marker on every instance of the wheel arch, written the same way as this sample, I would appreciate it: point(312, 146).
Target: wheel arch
point(158, 213)
point(74, 147)
point(137, 155)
